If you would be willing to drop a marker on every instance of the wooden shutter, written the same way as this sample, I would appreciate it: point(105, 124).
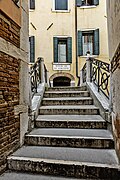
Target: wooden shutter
point(69, 49)
point(79, 2)
point(32, 49)
point(55, 46)
point(32, 4)
point(96, 2)
point(96, 42)
point(80, 44)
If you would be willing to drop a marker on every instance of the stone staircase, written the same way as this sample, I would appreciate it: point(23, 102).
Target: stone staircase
point(70, 140)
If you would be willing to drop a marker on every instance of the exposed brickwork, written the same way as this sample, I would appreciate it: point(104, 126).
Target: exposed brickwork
point(117, 135)
point(9, 30)
point(9, 97)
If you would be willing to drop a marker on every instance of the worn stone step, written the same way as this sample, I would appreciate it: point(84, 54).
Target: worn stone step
point(68, 162)
point(78, 138)
point(71, 121)
point(54, 94)
point(82, 88)
point(71, 110)
point(67, 101)
point(30, 176)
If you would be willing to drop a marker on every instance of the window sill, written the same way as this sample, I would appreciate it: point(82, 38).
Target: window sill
point(31, 10)
point(58, 63)
point(87, 7)
point(60, 11)
point(94, 56)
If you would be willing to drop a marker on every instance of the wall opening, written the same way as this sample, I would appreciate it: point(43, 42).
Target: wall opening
point(61, 81)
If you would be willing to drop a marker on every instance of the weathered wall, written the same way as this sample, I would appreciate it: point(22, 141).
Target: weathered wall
point(14, 82)
point(9, 30)
point(9, 98)
point(12, 11)
point(113, 15)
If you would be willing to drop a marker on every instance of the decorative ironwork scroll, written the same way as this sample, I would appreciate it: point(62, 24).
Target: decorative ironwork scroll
point(99, 75)
point(115, 63)
point(35, 76)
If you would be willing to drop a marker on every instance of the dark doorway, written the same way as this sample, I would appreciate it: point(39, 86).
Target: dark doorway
point(61, 81)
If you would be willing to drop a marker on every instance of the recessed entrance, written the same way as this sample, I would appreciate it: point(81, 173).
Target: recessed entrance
point(61, 81)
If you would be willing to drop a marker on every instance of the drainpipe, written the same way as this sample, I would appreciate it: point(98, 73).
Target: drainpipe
point(76, 39)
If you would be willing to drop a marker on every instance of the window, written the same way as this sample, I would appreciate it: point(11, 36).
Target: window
point(87, 2)
point(88, 41)
point(61, 4)
point(32, 49)
point(62, 50)
point(32, 4)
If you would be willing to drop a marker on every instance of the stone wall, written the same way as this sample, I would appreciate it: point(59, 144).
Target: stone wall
point(9, 98)
point(113, 16)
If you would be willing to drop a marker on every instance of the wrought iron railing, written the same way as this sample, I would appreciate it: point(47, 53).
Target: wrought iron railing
point(38, 73)
point(35, 76)
point(99, 75)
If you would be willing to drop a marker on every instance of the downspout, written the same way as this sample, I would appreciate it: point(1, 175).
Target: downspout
point(76, 39)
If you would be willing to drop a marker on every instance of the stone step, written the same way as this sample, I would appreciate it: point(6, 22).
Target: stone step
point(82, 88)
point(71, 121)
point(54, 94)
point(78, 138)
point(68, 162)
point(71, 110)
point(30, 176)
point(67, 101)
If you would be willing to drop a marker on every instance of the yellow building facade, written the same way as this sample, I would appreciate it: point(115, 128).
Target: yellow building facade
point(63, 31)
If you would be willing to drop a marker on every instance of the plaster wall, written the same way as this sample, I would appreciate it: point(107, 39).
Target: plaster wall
point(63, 24)
point(113, 15)
point(94, 18)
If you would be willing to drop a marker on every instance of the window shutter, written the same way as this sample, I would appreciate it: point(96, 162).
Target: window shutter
point(69, 49)
point(96, 2)
point(79, 2)
point(32, 49)
point(32, 4)
point(55, 46)
point(80, 44)
point(96, 42)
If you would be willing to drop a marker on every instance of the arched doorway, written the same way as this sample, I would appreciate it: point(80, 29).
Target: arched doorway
point(61, 81)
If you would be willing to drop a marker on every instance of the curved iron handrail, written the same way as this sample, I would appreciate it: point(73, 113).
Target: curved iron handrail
point(99, 75)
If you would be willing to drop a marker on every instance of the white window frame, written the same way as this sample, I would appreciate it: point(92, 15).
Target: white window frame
point(64, 11)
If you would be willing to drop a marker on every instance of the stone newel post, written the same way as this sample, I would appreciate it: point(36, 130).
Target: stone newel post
point(42, 71)
point(88, 68)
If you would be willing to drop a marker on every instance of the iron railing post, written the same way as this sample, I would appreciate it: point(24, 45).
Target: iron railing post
point(98, 76)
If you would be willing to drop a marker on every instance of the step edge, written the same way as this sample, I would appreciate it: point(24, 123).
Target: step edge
point(70, 137)
point(54, 161)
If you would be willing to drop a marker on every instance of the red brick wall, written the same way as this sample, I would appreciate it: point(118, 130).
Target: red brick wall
point(9, 30)
point(9, 98)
